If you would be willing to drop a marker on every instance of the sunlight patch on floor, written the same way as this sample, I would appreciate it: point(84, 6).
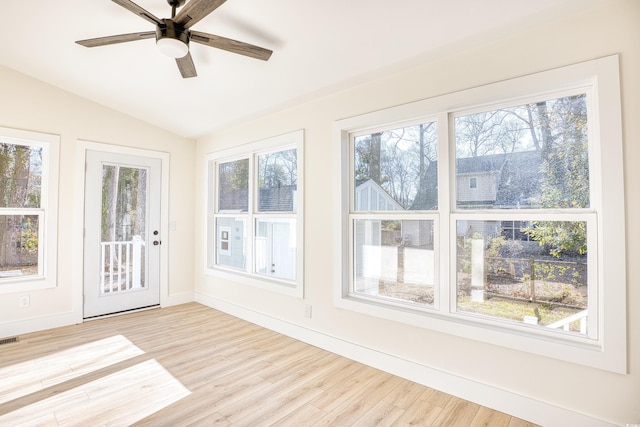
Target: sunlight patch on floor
point(27, 377)
point(121, 398)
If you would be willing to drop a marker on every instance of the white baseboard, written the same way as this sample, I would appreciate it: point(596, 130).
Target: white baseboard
point(177, 299)
point(26, 326)
point(543, 413)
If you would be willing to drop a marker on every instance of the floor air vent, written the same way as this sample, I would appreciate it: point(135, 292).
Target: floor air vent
point(8, 340)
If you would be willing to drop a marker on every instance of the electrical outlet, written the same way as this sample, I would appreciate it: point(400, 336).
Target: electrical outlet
point(307, 311)
point(24, 301)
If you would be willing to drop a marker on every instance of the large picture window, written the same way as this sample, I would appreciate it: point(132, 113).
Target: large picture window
point(28, 198)
point(255, 217)
point(497, 216)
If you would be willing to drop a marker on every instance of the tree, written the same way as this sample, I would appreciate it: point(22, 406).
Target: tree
point(277, 169)
point(397, 160)
point(18, 233)
point(233, 184)
point(110, 179)
point(479, 134)
point(565, 172)
point(555, 129)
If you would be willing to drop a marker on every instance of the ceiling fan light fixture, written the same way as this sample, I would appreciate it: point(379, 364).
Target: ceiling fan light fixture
point(173, 48)
point(172, 39)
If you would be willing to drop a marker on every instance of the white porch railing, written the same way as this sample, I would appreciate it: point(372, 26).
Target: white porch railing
point(122, 266)
point(564, 323)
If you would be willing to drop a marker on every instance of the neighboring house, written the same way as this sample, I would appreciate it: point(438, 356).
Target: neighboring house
point(507, 180)
point(382, 249)
point(371, 197)
point(491, 181)
point(273, 252)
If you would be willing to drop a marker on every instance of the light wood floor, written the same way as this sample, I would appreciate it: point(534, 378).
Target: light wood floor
point(191, 365)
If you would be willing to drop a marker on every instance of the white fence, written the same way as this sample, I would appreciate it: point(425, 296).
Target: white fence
point(122, 266)
point(566, 322)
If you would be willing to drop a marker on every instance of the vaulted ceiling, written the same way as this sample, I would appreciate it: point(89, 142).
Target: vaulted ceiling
point(318, 46)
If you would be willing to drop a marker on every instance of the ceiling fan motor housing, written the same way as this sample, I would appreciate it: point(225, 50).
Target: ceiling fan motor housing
point(172, 30)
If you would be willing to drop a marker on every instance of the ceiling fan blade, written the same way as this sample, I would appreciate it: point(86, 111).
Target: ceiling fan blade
point(186, 66)
point(121, 38)
point(231, 45)
point(132, 7)
point(195, 10)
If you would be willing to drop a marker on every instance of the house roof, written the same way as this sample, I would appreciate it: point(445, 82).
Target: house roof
point(516, 174)
point(271, 199)
point(277, 199)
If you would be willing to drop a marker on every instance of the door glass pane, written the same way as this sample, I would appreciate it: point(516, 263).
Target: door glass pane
point(394, 259)
point(541, 279)
point(19, 239)
point(277, 180)
point(529, 156)
point(396, 169)
point(275, 248)
point(231, 245)
point(233, 186)
point(124, 228)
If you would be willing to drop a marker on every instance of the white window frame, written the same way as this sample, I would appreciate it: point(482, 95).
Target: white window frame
point(47, 213)
point(292, 140)
point(606, 347)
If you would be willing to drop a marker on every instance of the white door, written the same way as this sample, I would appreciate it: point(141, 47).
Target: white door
point(122, 233)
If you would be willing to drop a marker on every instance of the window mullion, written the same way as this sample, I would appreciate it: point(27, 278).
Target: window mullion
point(444, 207)
point(251, 213)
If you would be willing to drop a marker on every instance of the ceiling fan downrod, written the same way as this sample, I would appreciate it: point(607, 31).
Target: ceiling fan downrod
point(174, 5)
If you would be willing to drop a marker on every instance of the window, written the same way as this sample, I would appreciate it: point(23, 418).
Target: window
point(394, 182)
point(28, 200)
point(534, 157)
point(255, 217)
point(487, 217)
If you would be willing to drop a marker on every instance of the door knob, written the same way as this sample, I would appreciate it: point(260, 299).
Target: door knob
point(156, 242)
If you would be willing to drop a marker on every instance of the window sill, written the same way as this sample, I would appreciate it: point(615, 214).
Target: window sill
point(530, 339)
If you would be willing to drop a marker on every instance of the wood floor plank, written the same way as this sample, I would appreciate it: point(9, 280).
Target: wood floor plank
point(360, 403)
point(422, 412)
point(405, 395)
point(487, 418)
point(517, 422)
point(304, 416)
point(456, 412)
point(383, 414)
point(190, 365)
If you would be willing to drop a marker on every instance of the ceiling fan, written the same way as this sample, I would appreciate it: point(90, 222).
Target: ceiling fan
point(173, 34)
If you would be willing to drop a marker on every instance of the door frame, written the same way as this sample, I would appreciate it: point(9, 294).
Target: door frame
point(79, 217)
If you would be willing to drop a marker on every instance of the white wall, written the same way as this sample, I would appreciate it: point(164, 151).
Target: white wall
point(601, 396)
point(32, 105)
